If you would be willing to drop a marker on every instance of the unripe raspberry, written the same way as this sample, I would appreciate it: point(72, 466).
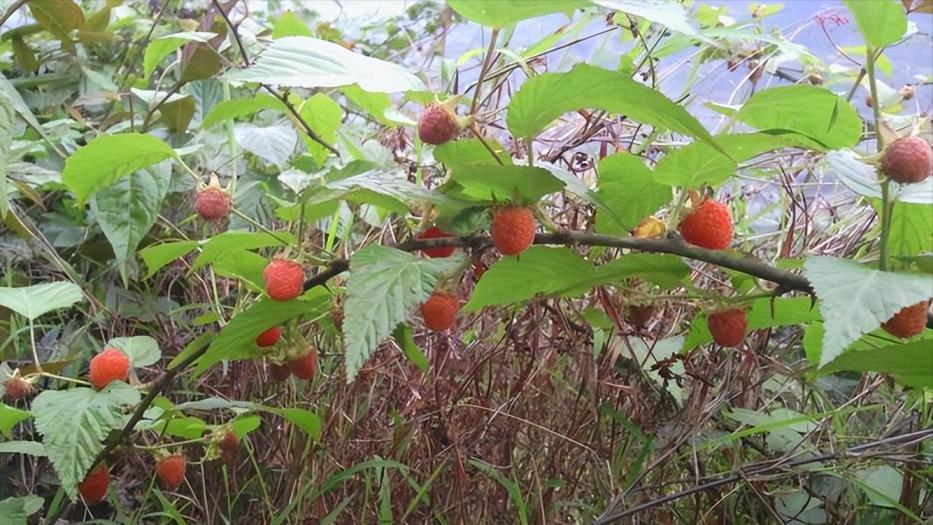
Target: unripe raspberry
point(269, 337)
point(440, 311)
point(441, 251)
point(284, 279)
point(107, 366)
point(437, 124)
point(171, 471)
point(708, 226)
point(909, 321)
point(304, 367)
point(513, 229)
point(94, 487)
point(16, 388)
point(728, 327)
point(212, 201)
point(907, 160)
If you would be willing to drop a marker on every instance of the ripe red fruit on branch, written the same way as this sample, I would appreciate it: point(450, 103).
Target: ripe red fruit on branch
point(438, 124)
point(212, 202)
point(280, 372)
point(728, 326)
point(708, 226)
point(269, 337)
point(109, 365)
point(171, 471)
point(436, 233)
point(907, 160)
point(440, 311)
point(284, 279)
point(16, 388)
point(304, 367)
point(513, 229)
point(94, 487)
point(909, 321)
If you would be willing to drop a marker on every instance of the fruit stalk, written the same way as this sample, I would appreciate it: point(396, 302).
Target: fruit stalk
point(887, 208)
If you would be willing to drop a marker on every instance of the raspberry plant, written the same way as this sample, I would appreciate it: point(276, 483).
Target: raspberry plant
point(275, 263)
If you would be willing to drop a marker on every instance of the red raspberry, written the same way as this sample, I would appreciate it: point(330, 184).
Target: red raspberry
point(436, 233)
point(907, 160)
point(212, 201)
point(440, 311)
point(708, 226)
point(305, 366)
point(437, 124)
point(269, 337)
point(280, 372)
point(17, 389)
point(94, 487)
point(909, 321)
point(171, 471)
point(513, 229)
point(728, 326)
point(284, 279)
point(109, 365)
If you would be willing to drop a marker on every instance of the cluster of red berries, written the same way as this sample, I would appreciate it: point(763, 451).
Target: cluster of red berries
point(212, 202)
point(284, 279)
point(170, 469)
point(302, 367)
point(108, 366)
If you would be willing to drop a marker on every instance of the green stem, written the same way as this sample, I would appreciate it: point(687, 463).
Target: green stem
point(887, 204)
point(487, 61)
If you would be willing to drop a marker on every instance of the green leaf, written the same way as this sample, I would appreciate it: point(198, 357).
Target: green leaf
point(303, 419)
point(471, 152)
point(910, 363)
point(59, 17)
point(787, 312)
point(501, 183)
point(510, 485)
point(237, 339)
point(16, 511)
point(629, 193)
point(671, 15)
point(375, 104)
point(855, 300)
point(177, 114)
point(538, 270)
point(7, 120)
point(498, 14)
point(141, 349)
point(298, 61)
point(274, 144)
point(815, 113)
point(160, 47)
point(33, 448)
point(911, 230)
point(543, 98)
point(233, 243)
point(406, 341)
point(231, 109)
point(290, 24)
point(157, 256)
point(666, 271)
point(33, 301)
point(697, 164)
point(10, 417)
point(108, 158)
point(202, 64)
point(881, 22)
point(324, 116)
point(127, 209)
point(384, 287)
point(74, 423)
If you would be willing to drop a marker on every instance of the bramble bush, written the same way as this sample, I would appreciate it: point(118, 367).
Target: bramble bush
point(260, 267)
